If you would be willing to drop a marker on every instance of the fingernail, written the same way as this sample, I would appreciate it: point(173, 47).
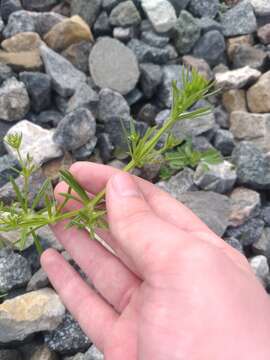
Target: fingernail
point(124, 185)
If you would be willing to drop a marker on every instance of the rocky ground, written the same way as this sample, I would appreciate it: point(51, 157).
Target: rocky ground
point(70, 70)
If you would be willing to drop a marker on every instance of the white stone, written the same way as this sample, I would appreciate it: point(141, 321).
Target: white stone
point(261, 7)
point(36, 141)
point(260, 266)
point(237, 79)
point(161, 14)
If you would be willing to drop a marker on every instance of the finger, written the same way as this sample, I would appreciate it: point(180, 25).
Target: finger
point(95, 316)
point(145, 238)
point(94, 177)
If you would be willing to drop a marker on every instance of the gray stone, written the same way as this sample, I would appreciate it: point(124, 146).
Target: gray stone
point(153, 39)
point(84, 96)
point(207, 24)
point(19, 21)
point(247, 233)
point(200, 65)
point(186, 128)
point(201, 8)
point(246, 204)
point(161, 117)
point(102, 25)
point(217, 205)
point(7, 165)
point(4, 127)
point(265, 215)
point(186, 32)
point(224, 142)
point(38, 86)
point(239, 20)
point(50, 117)
point(125, 14)
point(235, 243)
point(87, 9)
point(170, 73)
point(134, 96)
point(261, 7)
point(147, 113)
point(78, 55)
point(246, 55)
point(219, 178)
point(8, 7)
point(179, 183)
point(18, 320)
point(161, 13)
point(151, 77)
point(123, 34)
point(15, 271)
point(10, 355)
point(84, 152)
point(113, 65)
point(42, 149)
point(237, 79)
point(108, 5)
point(147, 53)
point(5, 73)
point(67, 338)
point(260, 266)
point(211, 47)
point(105, 147)
point(75, 129)
point(38, 281)
point(65, 77)
point(92, 354)
point(179, 4)
point(38, 5)
point(262, 246)
point(221, 117)
point(112, 104)
point(44, 21)
point(253, 166)
point(14, 100)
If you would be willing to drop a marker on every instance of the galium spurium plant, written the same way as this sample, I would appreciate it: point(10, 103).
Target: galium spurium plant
point(27, 217)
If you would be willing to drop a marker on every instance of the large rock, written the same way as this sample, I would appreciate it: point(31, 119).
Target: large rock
point(125, 14)
point(87, 9)
point(239, 20)
point(237, 79)
point(161, 13)
point(75, 129)
point(15, 271)
point(211, 47)
point(68, 32)
point(253, 166)
point(25, 41)
point(251, 127)
point(112, 104)
point(30, 313)
point(65, 77)
point(217, 205)
point(22, 61)
point(204, 8)
point(219, 178)
point(14, 100)
point(187, 32)
point(42, 149)
point(258, 96)
point(67, 338)
point(113, 65)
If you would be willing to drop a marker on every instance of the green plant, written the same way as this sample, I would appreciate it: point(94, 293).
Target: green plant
point(186, 156)
point(28, 218)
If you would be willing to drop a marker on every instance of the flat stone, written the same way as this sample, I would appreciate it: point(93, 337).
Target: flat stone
point(85, 97)
point(67, 338)
point(239, 20)
point(75, 129)
point(246, 204)
point(15, 271)
point(237, 79)
point(112, 104)
point(88, 10)
point(251, 127)
point(211, 47)
point(246, 55)
point(219, 178)
point(68, 32)
point(234, 100)
point(253, 167)
point(125, 14)
point(14, 100)
point(217, 205)
point(161, 13)
point(260, 266)
point(258, 95)
point(113, 65)
point(204, 8)
point(247, 233)
point(200, 65)
point(22, 61)
point(65, 77)
point(26, 41)
point(186, 32)
point(38, 86)
point(30, 313)
point(42, 149)
point(263, 34)
point(151, 77)
point(8, 7)
point(146, 53)
point(78, 55)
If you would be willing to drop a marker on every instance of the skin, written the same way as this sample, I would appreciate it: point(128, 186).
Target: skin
point(172, 291)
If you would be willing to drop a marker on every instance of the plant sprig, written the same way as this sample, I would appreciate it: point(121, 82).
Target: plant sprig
point(143, 149)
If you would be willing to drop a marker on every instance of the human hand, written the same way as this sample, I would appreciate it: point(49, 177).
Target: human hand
point(174, 290)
